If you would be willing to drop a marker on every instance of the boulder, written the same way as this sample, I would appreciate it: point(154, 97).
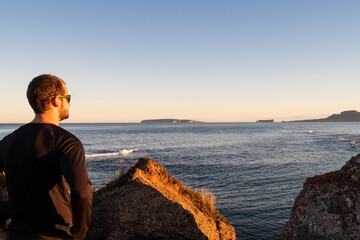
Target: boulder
point(148, 203)
point(328, 206)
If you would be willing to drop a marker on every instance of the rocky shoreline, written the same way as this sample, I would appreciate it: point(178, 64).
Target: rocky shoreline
point(148, 203)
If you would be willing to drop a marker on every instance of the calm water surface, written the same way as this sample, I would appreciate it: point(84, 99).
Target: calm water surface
point(255, 170)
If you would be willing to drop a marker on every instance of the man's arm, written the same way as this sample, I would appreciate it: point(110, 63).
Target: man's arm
point(4, 208)
point(73, 166)
point(4, 216)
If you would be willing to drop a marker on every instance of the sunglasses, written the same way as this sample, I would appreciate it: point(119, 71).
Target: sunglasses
point(68, 97)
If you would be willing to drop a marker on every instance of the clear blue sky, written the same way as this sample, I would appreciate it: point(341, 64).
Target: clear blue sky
point(125, 61)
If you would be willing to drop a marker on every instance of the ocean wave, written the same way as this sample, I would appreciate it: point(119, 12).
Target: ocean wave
point(344, 139)
point(101, 155)
point(125, 153)
point(353, 142)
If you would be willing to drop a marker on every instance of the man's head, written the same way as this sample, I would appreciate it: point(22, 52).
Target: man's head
point(43, 92)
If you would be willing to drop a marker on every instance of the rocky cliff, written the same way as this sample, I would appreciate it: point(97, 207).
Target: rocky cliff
point(328, 207)
point(148, 203)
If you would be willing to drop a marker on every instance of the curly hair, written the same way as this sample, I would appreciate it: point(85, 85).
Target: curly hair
point(41, 89)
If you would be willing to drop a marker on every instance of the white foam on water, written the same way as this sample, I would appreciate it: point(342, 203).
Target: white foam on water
point(135, 153)
point(353, 142)
point(126, 152)
point(344, 139)
point(101, 155)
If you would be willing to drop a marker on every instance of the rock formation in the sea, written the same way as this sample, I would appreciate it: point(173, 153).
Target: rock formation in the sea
point(328, 207)
point(346, 116)
point(148, 203)
point(170, 120)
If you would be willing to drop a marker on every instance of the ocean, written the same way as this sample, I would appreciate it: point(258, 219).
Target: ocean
point(255, 170)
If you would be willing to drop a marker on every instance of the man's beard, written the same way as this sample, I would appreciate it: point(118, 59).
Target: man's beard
point(64, 114)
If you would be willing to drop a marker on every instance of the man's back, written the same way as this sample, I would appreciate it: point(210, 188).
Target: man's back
point(39, 161)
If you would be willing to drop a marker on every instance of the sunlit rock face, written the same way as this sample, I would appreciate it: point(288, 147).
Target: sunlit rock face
point(148, 203)
point(328, 207)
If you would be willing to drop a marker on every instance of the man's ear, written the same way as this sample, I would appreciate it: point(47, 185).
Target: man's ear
point(55, 101)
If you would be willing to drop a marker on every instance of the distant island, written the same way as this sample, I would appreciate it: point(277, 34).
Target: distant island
point(346, 116)
point(265, 121)
point(170, 121)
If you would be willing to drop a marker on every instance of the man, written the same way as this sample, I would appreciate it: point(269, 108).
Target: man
point(41, 161)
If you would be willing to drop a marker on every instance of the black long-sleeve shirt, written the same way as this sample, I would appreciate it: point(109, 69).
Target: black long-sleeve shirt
point(41, 161)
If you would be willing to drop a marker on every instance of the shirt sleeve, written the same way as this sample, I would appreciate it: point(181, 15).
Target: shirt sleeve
point(4, 214)
point(1, 157)
point(73, 166)
point(4, 208)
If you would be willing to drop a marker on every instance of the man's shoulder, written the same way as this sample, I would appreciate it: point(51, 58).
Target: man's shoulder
point(44, 132)
point(66, 138)
point(66, 142)
point(18, 131)
point(63, 134)
point(48, 129)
